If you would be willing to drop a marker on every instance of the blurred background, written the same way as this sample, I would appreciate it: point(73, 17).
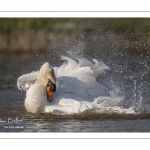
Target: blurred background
point(32, 35)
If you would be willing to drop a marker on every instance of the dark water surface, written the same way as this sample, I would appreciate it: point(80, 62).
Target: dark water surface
point(129, 73)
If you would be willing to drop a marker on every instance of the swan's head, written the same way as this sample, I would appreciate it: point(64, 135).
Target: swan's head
point(46, 78)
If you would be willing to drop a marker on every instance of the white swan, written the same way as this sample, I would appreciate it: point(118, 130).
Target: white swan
point(36, 96)
point(77, 88)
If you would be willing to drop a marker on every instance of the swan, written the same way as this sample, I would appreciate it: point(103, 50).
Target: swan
point(74, 87)
point(38, 95)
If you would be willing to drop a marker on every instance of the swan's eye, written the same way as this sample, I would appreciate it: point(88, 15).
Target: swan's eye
point(49, 83)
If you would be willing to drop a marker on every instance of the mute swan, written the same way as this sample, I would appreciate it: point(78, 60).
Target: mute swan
point(39, 94)
point(77, 89)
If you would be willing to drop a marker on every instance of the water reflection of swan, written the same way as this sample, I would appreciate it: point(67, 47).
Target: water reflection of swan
point(76, 87)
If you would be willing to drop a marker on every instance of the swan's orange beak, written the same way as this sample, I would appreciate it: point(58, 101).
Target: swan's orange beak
point(49, 92)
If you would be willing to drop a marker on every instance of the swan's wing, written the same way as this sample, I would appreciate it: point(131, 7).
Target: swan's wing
point(25, 81)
